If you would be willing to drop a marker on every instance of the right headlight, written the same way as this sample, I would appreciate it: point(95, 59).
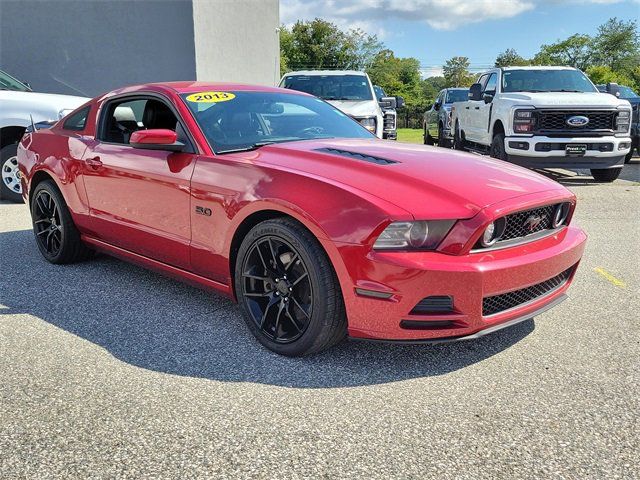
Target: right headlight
point(419, 235)
point(623, 119)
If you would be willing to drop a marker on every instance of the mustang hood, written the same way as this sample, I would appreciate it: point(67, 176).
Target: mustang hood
point(427, 182)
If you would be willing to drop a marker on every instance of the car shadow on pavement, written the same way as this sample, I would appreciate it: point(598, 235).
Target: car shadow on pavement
point(159, 324)
point(630, 172)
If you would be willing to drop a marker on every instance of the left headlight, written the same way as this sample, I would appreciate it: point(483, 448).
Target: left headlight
point(369, 123)
point(420, 235)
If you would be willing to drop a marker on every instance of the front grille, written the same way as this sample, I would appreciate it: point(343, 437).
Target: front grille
point(555, 121)
point(389, 121)
point(519, 224)
point(506, 301)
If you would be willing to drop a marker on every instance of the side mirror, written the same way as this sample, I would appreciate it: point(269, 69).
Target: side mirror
point(399, 102)
point(613, 89)
point(156, 139)
point(475, 92)
point(388, 103)
point(436, 106)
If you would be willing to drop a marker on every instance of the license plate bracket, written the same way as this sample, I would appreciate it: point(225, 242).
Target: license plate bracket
point(576, 149)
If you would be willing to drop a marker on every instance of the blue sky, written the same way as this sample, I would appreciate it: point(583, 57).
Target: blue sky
point(435, 30)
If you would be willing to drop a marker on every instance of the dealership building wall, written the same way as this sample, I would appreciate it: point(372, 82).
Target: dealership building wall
point(86, 47)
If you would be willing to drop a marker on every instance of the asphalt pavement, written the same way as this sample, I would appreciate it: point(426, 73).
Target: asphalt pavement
point(111, 371)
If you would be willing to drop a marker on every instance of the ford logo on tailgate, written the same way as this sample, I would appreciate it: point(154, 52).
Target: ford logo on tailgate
point(577, 121)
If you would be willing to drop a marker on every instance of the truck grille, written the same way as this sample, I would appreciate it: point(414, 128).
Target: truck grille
point(389, 121)
point(506, 301)
point(555, 121)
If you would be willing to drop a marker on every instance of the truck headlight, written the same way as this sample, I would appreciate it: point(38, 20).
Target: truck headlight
point(524, 121)
point(420, 235)
point(623, 119)
point(369, 123)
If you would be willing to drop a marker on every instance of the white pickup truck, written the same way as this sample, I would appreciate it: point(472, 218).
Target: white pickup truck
point(19, 106)
point(544, 117)
point(351, 92)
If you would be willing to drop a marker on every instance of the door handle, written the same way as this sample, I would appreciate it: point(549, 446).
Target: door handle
point(466, 108)
point(477, 108)
point(94, 162)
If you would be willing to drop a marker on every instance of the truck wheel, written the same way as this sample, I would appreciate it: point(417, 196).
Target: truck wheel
point(442, 141)
point(428, 140)
point(629, 156)
point(458, 142)
point(497, 147)
point(10, 188)
point(607, 175)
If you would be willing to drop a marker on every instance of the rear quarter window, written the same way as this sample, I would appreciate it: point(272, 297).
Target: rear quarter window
point(77, 121)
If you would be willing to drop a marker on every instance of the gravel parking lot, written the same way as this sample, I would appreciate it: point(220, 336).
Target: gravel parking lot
point(109, 370)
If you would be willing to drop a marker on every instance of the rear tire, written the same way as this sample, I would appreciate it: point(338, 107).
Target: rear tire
point(288, 290)
point(10, 187)
point(606, 175)
point(497, 148)
point(57, 237)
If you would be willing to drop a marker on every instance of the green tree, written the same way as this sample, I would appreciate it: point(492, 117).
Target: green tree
point(510, 58)
point(456, 72)
point(319, 44)
point(575, 51)
point(431, 87)
point(617, 44)
point(602, 74)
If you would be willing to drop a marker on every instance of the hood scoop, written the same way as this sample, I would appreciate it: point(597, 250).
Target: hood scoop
point(357, 156)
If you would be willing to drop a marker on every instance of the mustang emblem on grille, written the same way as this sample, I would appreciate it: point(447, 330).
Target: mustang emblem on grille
point(532, 222)
point(577, 121)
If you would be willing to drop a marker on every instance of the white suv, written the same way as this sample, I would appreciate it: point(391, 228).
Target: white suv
point(18, 107)
point(544, 117)
point(351, 92)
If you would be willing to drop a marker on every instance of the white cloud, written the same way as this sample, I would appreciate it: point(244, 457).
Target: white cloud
point(439, 14)
point(431, 72)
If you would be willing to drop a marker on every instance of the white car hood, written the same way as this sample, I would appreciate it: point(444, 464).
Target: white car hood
point(17, 108)
point(363, 108)
point(563, 99)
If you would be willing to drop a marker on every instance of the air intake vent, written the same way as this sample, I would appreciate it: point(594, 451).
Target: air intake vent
point(433, 304)
point(357, 156)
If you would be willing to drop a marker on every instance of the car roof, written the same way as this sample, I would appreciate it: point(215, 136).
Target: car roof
point(193, 87)
point(537, 67)
point(325, 72)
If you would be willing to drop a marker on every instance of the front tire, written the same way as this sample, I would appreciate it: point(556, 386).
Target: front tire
point(57, 237)
point(428, 139)
point(442, 141)
point(287, 289)
point(458, 142)
point(497, 148)
point(606, 175)
point(10, 187)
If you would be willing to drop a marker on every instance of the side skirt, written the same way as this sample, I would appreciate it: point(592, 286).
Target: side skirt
point(167, 270)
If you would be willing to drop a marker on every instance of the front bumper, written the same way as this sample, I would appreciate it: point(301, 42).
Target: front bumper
point(409, 277)
point(549, 152)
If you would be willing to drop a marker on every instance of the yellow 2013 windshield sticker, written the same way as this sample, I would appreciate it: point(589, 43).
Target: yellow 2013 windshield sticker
point(210, 97)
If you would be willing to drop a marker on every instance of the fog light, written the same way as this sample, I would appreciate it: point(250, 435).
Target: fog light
point(493, 232)
point(624, 145)
point(560, 215)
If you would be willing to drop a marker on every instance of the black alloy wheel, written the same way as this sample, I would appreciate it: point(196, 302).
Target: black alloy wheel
point(288, 290)
point(47, 224)
point(277, 288)
point(56, 235)
point(497, 148)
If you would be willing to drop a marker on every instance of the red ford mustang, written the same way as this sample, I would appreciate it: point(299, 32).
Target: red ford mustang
point(318, 229)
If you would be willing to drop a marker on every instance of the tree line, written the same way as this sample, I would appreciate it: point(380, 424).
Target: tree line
point(611, 55)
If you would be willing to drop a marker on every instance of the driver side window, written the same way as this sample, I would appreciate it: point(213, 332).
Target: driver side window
point(126, 116)
point(490, 87)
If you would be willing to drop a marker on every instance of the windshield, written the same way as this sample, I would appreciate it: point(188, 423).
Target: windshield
point(457, 96)
point(626, 92)
point(245, 120)
point(7, 82)
point(331, 87)
point(546, 81)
